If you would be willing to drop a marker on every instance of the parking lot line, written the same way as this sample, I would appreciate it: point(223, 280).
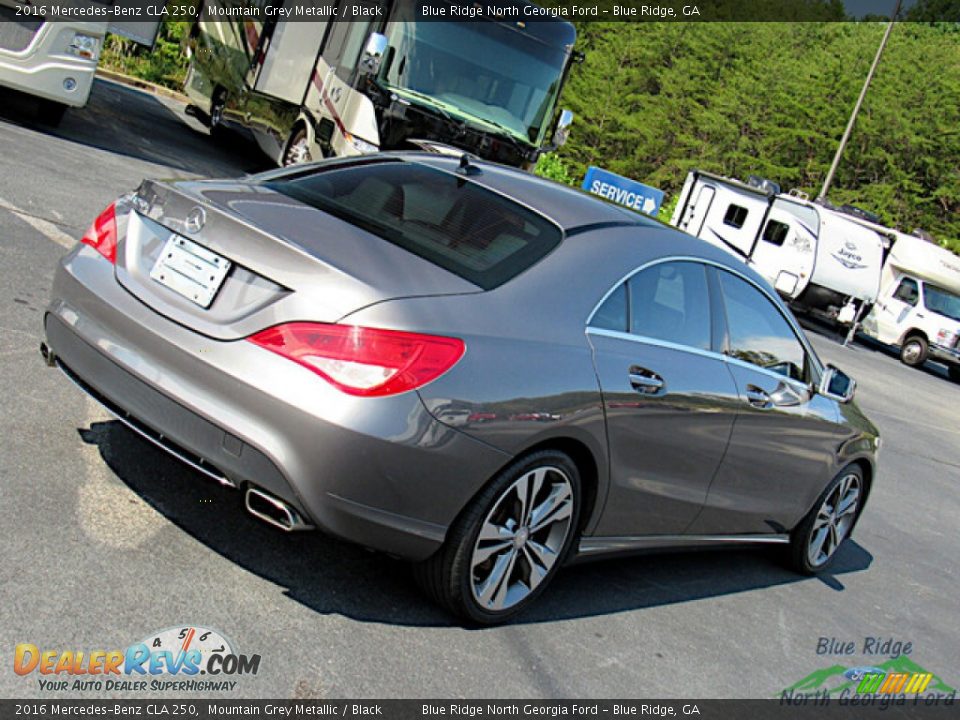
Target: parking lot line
point(46, 228)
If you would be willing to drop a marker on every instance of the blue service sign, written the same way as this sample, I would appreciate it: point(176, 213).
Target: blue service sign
point(623, 191)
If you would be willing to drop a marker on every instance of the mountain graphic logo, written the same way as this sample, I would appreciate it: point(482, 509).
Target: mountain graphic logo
point(833, 680)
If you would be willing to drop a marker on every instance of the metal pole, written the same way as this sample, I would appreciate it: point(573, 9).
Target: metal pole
point(856, 108)
point(855, 324)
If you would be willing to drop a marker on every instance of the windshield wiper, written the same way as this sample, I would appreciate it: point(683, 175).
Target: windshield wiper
point(433, 102)
point(438, 106)
point(508, 130)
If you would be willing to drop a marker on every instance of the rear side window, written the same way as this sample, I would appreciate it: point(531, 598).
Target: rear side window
point(670, 301)
point(441, 217)
point(612, 315)
point(758, 333)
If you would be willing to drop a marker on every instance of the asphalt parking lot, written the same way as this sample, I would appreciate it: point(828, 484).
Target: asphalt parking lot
point(107, 540)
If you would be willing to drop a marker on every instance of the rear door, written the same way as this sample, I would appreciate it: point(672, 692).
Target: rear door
point(782, 449)
point(669, 399)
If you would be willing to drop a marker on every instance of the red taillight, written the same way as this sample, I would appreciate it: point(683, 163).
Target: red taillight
point(363, 361)
point(102, 235)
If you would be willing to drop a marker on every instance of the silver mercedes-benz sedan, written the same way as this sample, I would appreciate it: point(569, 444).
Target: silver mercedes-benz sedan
point(462, 365)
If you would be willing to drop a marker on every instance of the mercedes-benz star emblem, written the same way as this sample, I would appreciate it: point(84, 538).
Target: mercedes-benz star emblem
point(195, 220)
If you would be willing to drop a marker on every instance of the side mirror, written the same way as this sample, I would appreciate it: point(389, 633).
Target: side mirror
point(372, 54)
point(837, 385)
point(562, 131)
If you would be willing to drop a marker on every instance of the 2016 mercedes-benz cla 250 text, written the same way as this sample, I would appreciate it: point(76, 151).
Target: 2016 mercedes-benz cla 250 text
point(465, 366)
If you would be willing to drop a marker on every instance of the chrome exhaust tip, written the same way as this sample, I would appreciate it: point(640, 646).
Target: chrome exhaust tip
point(274, 511)
point(48, 357)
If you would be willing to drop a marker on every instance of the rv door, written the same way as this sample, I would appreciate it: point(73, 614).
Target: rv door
point(696, 212)
point(290, 60)
point(894, 307)
point(333, 98)
point(733, 218)
point(785, 251)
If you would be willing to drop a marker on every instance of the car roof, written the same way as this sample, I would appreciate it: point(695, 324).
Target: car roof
point(568, 207)
point(583, 217)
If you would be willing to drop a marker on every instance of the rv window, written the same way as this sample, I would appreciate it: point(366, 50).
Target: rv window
point(736, 216)
point(758, 332)
point(908, 292)
point(938, 300)
point(670, 302)
point(775, 232)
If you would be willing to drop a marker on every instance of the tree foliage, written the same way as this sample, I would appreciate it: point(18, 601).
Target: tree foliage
point(166, 64)
point(655, 100)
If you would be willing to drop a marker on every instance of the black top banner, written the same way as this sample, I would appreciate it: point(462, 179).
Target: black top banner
point(814, 708)
point(490, 10)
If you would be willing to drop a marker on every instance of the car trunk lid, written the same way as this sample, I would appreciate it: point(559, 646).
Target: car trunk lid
point(289, 261)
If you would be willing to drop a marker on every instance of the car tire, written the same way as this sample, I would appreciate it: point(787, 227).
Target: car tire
point(914, 351)
point(830, 522)
point(50, 113)
point(298, 149)
point(954, 372)
point(499, 556)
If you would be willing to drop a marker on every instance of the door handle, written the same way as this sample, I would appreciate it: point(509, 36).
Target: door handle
point(786, 396)
point(758, 397)
point(645, 381)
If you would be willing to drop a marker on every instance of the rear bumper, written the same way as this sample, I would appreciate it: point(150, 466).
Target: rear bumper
point(43, 66)
point(47, 79)
point(379, 472)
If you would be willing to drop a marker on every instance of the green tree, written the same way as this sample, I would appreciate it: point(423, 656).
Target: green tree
point(656, 100)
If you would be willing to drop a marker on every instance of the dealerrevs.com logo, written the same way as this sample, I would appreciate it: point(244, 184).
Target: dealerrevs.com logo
point(170, 660)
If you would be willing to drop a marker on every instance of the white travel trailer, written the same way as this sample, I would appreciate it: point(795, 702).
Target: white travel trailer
point(918, 309)
point(816, 257)
point(53, 59)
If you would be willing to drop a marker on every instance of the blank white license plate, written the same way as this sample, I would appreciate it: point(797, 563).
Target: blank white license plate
point(190, 270)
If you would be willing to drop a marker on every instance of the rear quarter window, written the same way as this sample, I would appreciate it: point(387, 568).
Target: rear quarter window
point(441, 217)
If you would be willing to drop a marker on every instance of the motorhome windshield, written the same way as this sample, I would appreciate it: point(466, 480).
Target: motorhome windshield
point(493, 74)
point(941, 301)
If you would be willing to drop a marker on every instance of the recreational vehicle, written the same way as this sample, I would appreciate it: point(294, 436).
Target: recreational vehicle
point(322, 88)
point(918, 309)
point(51, 58)
point(815, 256)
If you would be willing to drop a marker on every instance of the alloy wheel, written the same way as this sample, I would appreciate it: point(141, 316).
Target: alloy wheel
point(216, 112)
point(521, 538)
point(911, 353)
point(298, 152)
point(834, 520)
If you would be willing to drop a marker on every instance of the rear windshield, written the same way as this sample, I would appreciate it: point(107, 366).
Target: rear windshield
point(441, 217)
